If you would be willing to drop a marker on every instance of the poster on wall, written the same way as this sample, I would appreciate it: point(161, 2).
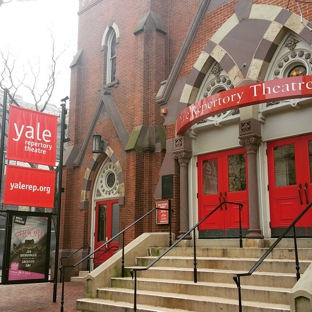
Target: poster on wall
point(162, 212)
point(27, 247)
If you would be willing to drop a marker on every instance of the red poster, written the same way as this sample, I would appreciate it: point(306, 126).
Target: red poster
point(32, 136)
point(26, 186)
point(162, 215)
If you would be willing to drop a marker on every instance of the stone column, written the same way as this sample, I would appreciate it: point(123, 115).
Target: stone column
point(183, 155)
point(250, 138)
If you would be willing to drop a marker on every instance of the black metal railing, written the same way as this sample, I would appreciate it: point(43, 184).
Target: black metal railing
point(89, 256)
point(237, 277)
point(68, 257)
point(133, 271)
point(101, 254)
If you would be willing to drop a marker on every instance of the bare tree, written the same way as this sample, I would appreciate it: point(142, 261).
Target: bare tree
point(37, 82)
point(32, 78)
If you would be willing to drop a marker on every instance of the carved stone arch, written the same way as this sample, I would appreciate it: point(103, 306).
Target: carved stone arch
point(293, 57)
point(281, 21)
point(90, 175)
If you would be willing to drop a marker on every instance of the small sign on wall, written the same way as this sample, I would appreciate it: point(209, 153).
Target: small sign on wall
point(162, 212)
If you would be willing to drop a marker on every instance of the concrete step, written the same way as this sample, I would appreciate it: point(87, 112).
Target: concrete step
point(100, 305)
point(80, 277)
point(169, 284)
point(236, 264)
point(160, 301)
point(277, 253)
point(265, 243)
point(270, 279)
point(289, 243)
point(222, 290)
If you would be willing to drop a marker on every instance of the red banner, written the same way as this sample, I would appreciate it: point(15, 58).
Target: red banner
point(32, 136)
point(256, 93)
point(26, 186)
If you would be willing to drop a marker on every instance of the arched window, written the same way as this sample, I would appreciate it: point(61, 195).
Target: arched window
point(109, 41)
point(216, 81)
point(111, 57)
point(292, 58)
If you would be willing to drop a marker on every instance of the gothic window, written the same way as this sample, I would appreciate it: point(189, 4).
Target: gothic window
point(109, 44)
point(292, 58)
point(111, 57)
point(107, 184)
point(297, 70)
point(216, 81)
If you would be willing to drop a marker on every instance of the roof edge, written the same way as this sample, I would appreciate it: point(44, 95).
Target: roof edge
point(167, 86)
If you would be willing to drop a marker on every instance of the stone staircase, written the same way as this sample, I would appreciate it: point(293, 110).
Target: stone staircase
point(169, 284)
point(80, 277)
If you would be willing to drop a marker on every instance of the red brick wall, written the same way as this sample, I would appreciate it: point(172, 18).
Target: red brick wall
point(143, 61)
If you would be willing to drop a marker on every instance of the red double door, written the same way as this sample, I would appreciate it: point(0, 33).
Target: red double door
point(106, 226)
point(222, 177)
point(290, 183)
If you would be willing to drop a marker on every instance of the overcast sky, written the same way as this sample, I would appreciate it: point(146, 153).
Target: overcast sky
point(25, 31)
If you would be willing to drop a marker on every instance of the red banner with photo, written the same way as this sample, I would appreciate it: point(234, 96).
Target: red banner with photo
point(25, 186)
point(32, 136)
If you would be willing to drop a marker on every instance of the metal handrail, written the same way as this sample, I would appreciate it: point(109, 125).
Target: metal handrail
point(101, 254)
point(133, 271)
point(69, 256)
point(237, 277)
point(88, 257)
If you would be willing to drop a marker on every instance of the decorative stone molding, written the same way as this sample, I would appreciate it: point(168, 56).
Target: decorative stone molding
point(183, 158)
point(182, 144)
point(251, 143)
point(116, 189)
point(291, 43)
point(250, 134)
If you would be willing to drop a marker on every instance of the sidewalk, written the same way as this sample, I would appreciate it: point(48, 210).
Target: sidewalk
point(39, 297)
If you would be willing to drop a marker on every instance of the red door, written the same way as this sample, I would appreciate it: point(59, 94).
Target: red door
point(106, 227)
point(290, 187)
point(222, 177)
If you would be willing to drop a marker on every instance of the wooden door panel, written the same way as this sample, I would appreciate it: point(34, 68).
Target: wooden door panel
point(214, 222)
point(290, 180)
point(233, 216)
point(222, 177)
point(103, 231)
point(285, 209)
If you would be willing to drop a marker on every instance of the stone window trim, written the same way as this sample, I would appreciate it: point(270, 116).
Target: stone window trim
point(107, 184)
point(109, 43)
point(216, 81)
point(293, 52)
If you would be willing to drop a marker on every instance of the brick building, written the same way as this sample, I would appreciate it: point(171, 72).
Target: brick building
point(141, 68)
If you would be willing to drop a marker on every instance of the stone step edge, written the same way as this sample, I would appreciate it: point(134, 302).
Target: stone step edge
point(220, 259)
point(206, 284)
point(206, 299)
point(203, 270)
point(121, 304)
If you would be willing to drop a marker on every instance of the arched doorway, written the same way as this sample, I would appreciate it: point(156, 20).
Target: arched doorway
point(105, 215)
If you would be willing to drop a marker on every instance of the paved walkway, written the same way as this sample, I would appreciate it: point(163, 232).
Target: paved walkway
point(39, 297)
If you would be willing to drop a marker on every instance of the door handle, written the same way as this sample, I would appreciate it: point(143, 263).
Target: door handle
point(220, 200)
point(299, 192)
point(224, 199)
point(306, 193)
